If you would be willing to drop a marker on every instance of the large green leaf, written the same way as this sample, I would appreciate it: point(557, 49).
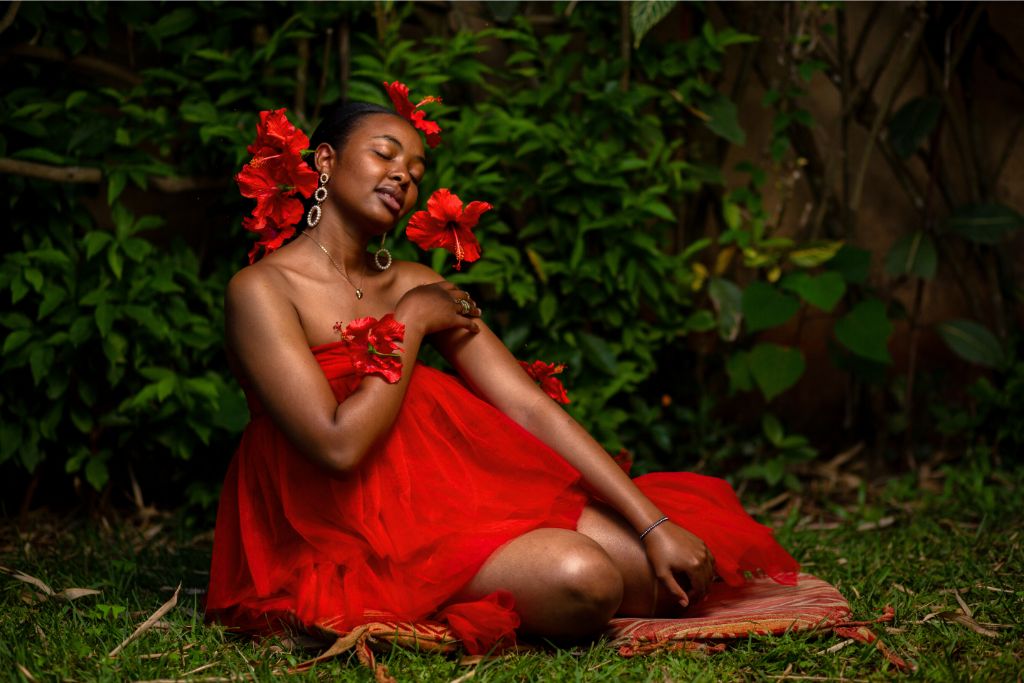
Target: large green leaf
point(728, 301)
point(973, 342)
point(645, 14)
point(765, 307)
point(915, 120)
point(865, 330)
point(737, 366)
point(853, 263)
point(822, 291)
point(775, 368)
point(913, 255)
point(723, 119)
point(984, 223)
point(599, 352)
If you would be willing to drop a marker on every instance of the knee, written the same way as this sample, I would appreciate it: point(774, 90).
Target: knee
point(592, 583)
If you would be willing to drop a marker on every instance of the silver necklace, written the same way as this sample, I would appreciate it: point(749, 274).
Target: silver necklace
point(359, 291)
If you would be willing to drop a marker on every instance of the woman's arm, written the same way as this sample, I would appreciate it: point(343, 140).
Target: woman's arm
point(483, 361)
point(266, 338)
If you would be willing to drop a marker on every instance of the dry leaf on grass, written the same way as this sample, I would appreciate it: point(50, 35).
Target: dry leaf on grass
point(201, 679)
point(148, 623)
point(70, 594)
point(46, 592)
point(22, 576)
point(26, 673)
point(836, 648)
point(963, 605)
point(880, 524)
point(958, 617)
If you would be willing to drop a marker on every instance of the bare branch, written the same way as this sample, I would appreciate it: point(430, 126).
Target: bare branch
point(80, 62)
point(904, 62)
point(625, 51)
point(12, 11)
point(325, 67)
point(865, 31)
point(86, 174)
point(301, 77)
point(344, 56)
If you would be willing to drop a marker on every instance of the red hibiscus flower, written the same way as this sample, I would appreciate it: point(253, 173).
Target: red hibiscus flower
point(271, 236)
point(274, 176)
point(373, 346)
point(544, 373)
point(447, 225)
point(399, 94)
point(271, 186)
point(275, 134)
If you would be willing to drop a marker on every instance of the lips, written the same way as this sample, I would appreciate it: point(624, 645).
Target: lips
point(391, 196)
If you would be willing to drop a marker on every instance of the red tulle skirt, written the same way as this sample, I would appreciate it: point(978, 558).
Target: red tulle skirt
point(397, 538)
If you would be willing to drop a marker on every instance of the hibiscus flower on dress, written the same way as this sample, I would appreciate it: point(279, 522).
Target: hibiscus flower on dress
point(373, 346)
point(544, 373)
point(274, 176)
point(446, 224)
point(399, 94)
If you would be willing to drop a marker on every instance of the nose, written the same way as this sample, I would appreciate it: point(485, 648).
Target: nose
point(399, 175)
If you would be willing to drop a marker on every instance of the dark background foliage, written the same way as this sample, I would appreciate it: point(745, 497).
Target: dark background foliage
point(693, 209)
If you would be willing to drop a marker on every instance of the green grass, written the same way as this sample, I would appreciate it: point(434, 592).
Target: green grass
point(967, 537)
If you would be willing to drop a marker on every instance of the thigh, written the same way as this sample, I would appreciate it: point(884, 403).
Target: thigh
point(643, 594)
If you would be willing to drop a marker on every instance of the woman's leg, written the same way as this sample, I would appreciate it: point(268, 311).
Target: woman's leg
point(643, 594)
point(564, 584)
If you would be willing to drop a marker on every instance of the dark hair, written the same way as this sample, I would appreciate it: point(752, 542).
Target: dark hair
point(338, 123)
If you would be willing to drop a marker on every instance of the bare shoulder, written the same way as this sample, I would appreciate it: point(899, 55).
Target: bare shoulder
point(410, 274)
point(257, 303)
point(258, 282)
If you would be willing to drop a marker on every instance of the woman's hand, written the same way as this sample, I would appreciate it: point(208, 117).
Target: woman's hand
point(437, 306)
point(673, 550)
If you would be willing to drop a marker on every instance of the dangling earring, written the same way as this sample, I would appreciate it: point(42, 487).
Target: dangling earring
point(382, 254)
point(313, 217)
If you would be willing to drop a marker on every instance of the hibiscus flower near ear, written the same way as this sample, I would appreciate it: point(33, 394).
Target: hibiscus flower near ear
point(544, 373)
point(446, 224)
point(273, 177)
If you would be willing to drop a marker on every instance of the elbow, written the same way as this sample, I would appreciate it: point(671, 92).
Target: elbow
point(340, 459)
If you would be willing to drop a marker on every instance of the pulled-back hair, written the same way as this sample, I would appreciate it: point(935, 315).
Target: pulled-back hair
point(338, 123)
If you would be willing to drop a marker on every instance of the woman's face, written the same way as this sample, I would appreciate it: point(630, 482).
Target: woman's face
point(375, 179)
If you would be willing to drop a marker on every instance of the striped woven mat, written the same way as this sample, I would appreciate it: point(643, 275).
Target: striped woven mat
point(760, 607)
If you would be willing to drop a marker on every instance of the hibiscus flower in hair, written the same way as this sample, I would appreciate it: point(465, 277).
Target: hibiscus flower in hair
point(446, 224)
point(544, 374)
point(399, 94)
point(273, 177)
point(271, 235)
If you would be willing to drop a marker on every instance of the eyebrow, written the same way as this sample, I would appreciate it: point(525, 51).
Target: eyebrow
point(393, 139)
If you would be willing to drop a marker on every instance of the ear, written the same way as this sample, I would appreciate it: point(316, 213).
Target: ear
point(325, 158)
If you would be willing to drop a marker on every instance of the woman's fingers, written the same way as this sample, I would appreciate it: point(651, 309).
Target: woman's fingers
point(675, 589)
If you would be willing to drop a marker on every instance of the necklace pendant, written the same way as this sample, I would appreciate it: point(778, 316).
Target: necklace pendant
point(359, 293)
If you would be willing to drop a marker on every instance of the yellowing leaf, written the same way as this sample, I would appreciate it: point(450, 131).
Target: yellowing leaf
point(723, 260)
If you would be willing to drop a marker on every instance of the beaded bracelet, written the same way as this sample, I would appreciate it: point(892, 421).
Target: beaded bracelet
point(651, 527)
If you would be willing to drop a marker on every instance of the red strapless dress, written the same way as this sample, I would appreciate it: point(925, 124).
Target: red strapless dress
point(296, 545)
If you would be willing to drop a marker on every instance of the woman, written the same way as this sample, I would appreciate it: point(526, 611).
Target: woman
point(353, 497)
